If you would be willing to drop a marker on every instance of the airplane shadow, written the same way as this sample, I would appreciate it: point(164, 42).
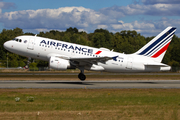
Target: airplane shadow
point(93, 83)
point(72, 83)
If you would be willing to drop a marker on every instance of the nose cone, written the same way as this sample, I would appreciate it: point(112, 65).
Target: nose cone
point(7, 45)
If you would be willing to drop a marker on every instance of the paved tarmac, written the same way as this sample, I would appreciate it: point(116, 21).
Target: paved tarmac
point(90, 73)
point(116, 84)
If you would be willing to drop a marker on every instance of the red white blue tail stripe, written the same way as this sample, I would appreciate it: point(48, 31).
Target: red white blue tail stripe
point(159, 44)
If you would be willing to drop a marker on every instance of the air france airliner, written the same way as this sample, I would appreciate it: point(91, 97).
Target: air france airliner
point(63, 55)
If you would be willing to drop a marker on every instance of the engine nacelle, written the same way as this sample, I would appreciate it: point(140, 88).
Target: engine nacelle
point(58, 63)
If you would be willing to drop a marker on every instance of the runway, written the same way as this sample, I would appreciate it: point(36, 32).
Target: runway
point(113, 84)
point(90, 73)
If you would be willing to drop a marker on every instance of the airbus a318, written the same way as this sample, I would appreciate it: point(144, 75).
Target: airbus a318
point(63, 55)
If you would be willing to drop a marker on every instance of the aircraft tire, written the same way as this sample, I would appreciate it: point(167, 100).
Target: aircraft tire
point(81, 76)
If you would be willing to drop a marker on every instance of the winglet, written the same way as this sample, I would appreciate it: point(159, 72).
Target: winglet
point(115, 58)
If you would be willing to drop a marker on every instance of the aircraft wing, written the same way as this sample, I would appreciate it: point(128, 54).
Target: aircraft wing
point(91, 60)
point(83, 61)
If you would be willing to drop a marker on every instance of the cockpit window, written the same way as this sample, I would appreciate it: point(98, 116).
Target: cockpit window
point(18, 40)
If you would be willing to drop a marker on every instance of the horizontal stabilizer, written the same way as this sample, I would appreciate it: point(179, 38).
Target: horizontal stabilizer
point(156, 64)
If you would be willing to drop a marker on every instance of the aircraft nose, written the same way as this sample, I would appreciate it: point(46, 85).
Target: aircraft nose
point(7, 45)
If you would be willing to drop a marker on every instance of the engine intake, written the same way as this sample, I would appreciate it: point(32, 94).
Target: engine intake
point(58, 63)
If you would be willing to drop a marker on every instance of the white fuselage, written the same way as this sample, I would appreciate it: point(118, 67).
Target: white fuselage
point(43, 48)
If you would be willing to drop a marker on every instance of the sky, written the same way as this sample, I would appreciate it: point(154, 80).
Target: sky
point(147, 17)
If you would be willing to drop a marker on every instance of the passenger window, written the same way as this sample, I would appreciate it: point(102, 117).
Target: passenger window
point(20, 40)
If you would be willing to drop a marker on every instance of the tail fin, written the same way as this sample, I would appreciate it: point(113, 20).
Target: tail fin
point(157, 47)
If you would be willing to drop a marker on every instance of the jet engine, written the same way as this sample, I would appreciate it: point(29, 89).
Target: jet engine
point(58, 63)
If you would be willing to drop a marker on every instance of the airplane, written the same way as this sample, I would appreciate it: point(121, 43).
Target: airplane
point(64, 55)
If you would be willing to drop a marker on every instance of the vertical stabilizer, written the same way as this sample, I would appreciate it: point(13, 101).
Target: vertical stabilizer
point(157, 47)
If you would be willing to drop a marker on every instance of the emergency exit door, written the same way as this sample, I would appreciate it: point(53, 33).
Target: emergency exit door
point(31, 43)
point(129, 63)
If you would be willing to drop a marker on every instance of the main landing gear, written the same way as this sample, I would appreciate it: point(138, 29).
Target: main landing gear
point(81, 76)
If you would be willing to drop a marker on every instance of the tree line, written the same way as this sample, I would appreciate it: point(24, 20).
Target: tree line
point(125, 41)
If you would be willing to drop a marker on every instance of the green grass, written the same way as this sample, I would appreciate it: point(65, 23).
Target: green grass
point(95, 104)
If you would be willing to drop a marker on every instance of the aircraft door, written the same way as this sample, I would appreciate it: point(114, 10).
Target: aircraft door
point(31, 43)
point(129, 63)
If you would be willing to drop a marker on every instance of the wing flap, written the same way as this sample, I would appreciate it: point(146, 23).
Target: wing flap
point(91, 60)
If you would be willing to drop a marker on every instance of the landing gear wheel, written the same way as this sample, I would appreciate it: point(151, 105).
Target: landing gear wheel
point(81, 76)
